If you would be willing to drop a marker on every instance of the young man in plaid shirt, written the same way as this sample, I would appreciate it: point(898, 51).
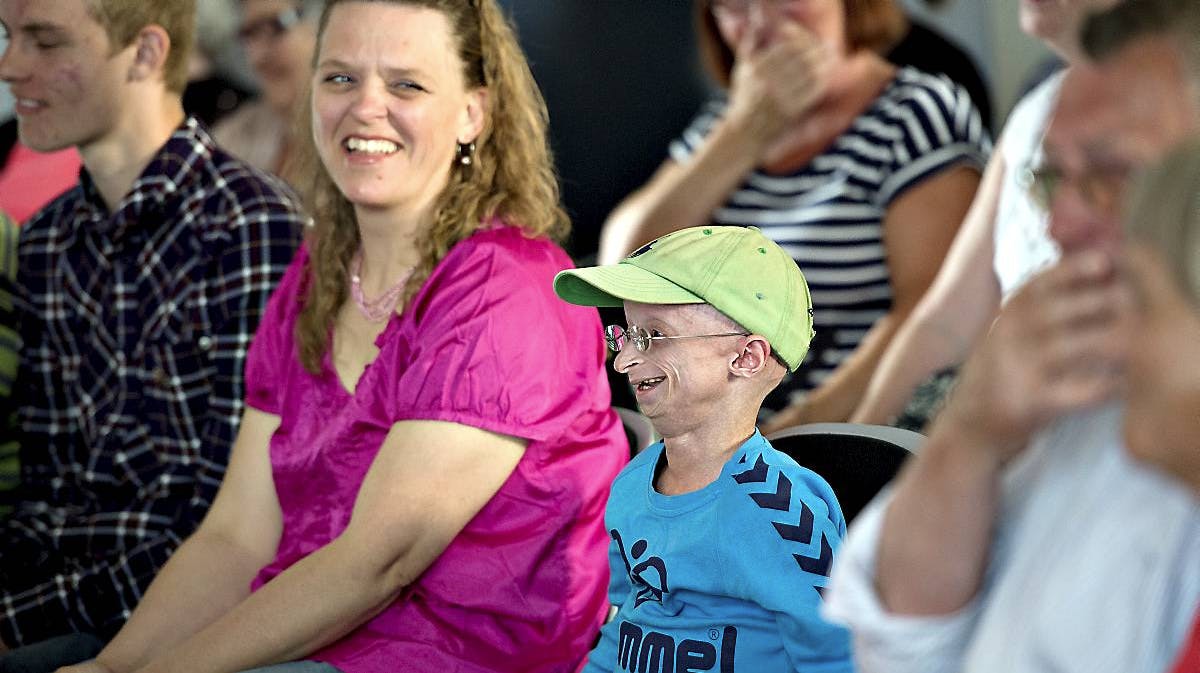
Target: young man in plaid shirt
point(139, 291)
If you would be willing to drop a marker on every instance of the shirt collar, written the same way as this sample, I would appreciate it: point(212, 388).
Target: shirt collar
point(168, 172)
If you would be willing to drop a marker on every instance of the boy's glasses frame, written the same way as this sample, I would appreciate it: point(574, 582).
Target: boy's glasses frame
point(616, 337)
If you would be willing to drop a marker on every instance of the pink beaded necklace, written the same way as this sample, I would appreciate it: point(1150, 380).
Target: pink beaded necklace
point(382, 307)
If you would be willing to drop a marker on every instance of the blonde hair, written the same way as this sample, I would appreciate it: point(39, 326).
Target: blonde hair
point(1107, 32)
point(1165, 213)
point(511, 175)
point(122, 19)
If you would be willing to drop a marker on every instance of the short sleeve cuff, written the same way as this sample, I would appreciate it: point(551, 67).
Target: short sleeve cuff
point(886, 642)
point(264, 402)
point(918, 170)
point(533, 432)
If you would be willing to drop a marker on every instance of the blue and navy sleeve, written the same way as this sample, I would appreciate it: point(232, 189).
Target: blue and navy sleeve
point(787, 534)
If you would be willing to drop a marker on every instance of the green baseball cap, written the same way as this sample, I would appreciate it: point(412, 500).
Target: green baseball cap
point(736, 270)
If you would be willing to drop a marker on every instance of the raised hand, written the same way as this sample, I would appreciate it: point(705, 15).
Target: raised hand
point(780, 71)
point(1162, 413)
point(1058, 346)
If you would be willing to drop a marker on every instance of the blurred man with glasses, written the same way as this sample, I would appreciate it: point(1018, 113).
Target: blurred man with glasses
point(1025, 537)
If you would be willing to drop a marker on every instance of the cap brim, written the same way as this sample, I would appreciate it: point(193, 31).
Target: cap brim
point(616, 283)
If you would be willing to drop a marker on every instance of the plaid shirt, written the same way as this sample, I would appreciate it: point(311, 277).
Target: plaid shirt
point(135, 326)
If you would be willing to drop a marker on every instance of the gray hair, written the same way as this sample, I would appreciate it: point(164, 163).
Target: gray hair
point(1165, 213)
point(1107, 32)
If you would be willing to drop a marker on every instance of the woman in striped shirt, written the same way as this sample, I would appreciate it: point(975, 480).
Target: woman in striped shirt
point(862, 171)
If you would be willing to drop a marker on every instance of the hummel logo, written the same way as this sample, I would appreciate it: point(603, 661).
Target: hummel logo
point(649, 589)
point(641, 651)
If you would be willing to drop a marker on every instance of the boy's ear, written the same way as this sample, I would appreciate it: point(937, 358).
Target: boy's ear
point(152, 45)
point(752, 358)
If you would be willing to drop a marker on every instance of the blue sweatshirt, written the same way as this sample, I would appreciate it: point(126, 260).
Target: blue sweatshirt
point(727, 578)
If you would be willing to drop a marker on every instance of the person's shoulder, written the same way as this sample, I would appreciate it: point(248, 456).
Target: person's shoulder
point(926, 92)
point(770, 484)
point(249, 187)
point(645, 459)
point(503, 237)
point(235, 193)
point(509, 250)
point(1040, 99)
point(810, 485)
point(931, 118)
point(52, 215)
point(636, 472)
point(498, 266)
point(1021, 139)
point(780, 513)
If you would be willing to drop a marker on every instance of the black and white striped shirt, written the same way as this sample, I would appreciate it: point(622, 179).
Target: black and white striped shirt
point(829, 214)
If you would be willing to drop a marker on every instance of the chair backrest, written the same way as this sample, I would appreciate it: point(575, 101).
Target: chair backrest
point(856, 460)
point(638, 429)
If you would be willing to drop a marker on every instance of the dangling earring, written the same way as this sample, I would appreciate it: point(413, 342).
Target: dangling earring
point(465, 152)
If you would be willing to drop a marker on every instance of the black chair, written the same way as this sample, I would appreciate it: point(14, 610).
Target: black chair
point(856, 460)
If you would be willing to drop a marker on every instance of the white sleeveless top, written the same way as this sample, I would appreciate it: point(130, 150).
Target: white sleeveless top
point(1022, 242)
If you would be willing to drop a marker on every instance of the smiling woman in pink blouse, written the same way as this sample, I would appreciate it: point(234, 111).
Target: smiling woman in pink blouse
point(420, 478)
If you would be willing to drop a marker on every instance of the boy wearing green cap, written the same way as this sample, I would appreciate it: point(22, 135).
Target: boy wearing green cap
point(721, 545)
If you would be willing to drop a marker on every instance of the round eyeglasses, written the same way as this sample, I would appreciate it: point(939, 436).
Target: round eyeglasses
point(1100, 187)
point(616, 337)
